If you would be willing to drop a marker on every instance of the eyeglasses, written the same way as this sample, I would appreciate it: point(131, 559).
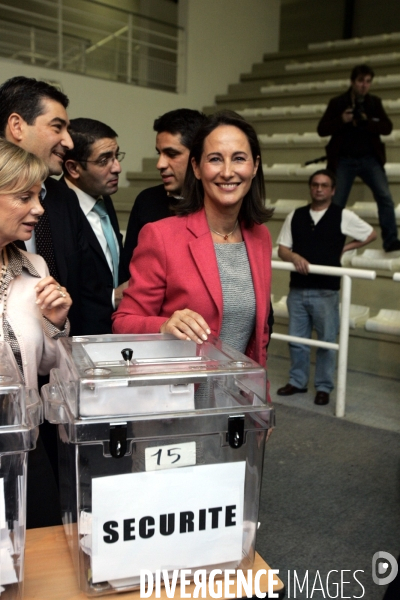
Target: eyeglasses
point(106, 160)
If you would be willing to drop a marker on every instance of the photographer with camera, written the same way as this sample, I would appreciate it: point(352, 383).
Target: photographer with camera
point(355, 120)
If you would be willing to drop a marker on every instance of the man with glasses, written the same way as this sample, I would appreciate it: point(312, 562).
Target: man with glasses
point(316, 234)
point(91, 170)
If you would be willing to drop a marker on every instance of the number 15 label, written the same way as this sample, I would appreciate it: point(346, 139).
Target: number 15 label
point(170, 457)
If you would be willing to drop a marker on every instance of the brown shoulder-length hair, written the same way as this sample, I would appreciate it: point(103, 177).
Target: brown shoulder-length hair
point(253, 209)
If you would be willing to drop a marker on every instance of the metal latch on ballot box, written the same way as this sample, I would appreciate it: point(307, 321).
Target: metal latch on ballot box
point(235, 435)
point(118, 434)
point(118, 445)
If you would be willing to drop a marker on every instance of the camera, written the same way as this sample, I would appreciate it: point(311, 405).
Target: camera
point(359, 111)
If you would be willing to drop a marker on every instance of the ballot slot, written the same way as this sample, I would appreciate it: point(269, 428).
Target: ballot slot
point(161, 462)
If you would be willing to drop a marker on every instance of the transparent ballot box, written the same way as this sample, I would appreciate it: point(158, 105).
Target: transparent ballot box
point(161, 445)
point(20, 415)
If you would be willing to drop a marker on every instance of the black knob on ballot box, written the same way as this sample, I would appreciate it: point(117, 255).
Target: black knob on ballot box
point(127, 354)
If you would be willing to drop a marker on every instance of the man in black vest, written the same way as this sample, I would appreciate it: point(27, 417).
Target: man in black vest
point(316, 234)
point(356, 120)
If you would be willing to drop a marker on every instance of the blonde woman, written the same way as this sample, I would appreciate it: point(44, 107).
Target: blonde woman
point(34, 307)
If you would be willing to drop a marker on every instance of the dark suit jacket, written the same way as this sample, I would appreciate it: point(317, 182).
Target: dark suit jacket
point(331, 124)
point(96, 278)
point(150, 205)
point(66, 224)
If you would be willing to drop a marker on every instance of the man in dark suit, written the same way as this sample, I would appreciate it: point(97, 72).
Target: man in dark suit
point(91, 171)
point(356, 120)
point(175, 133)
point(33, 115)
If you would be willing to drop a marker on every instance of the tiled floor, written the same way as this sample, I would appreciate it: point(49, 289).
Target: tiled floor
point(370, 400)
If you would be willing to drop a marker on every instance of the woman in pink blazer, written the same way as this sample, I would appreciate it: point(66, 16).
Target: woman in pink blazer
point(208, 269)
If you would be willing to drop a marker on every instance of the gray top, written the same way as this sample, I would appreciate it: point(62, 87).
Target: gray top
point(238, 295)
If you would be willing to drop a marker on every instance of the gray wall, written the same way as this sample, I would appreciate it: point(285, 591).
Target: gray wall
point(305, 21)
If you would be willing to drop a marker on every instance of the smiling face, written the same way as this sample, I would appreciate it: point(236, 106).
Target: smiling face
point(172, 162)
point(48, 137)
point(98, 176)
point(19, 213)
point(226, 169)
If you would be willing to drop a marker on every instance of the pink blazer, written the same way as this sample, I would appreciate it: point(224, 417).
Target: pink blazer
point(174, 267)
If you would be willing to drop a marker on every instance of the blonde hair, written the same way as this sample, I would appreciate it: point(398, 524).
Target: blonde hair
point(19, 169)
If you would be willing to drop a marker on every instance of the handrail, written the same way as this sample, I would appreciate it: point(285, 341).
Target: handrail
point(85, 26)
point(135, 14)
point(117, 44)
point(117, 9)
point(342, 347)
point(325, 270)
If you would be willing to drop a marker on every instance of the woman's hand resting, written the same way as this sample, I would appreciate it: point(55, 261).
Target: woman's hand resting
point(187, 325)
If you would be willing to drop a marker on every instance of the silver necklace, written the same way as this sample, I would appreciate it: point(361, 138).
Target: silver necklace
point(224, 235)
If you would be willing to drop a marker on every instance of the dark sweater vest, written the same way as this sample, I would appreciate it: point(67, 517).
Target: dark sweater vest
point(320, 244)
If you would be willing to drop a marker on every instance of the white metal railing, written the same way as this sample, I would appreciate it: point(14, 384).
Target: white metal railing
point(343, 345)
point(94, 38)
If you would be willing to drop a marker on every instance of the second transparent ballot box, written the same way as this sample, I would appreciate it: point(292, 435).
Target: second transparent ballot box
point(161, 446)
point(20, 416)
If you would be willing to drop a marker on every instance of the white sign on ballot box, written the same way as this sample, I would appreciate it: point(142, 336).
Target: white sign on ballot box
point(167, 519)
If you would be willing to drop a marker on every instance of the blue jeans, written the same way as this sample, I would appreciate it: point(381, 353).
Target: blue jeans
point(374, 176)
point(310, 308)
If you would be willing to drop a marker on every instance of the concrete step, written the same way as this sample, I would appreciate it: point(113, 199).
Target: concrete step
point(299, 119)
point(149, 164)
point(123, 201)
point(295, 187)
point(301, 154)
point(286, 74)
point(308, 146)
point(259, 100)
point(375, 57)
point(367, 41)
point(286, 123)
point(281, 67)
point(316, 92)
point(278, 185)
point(326, 53)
